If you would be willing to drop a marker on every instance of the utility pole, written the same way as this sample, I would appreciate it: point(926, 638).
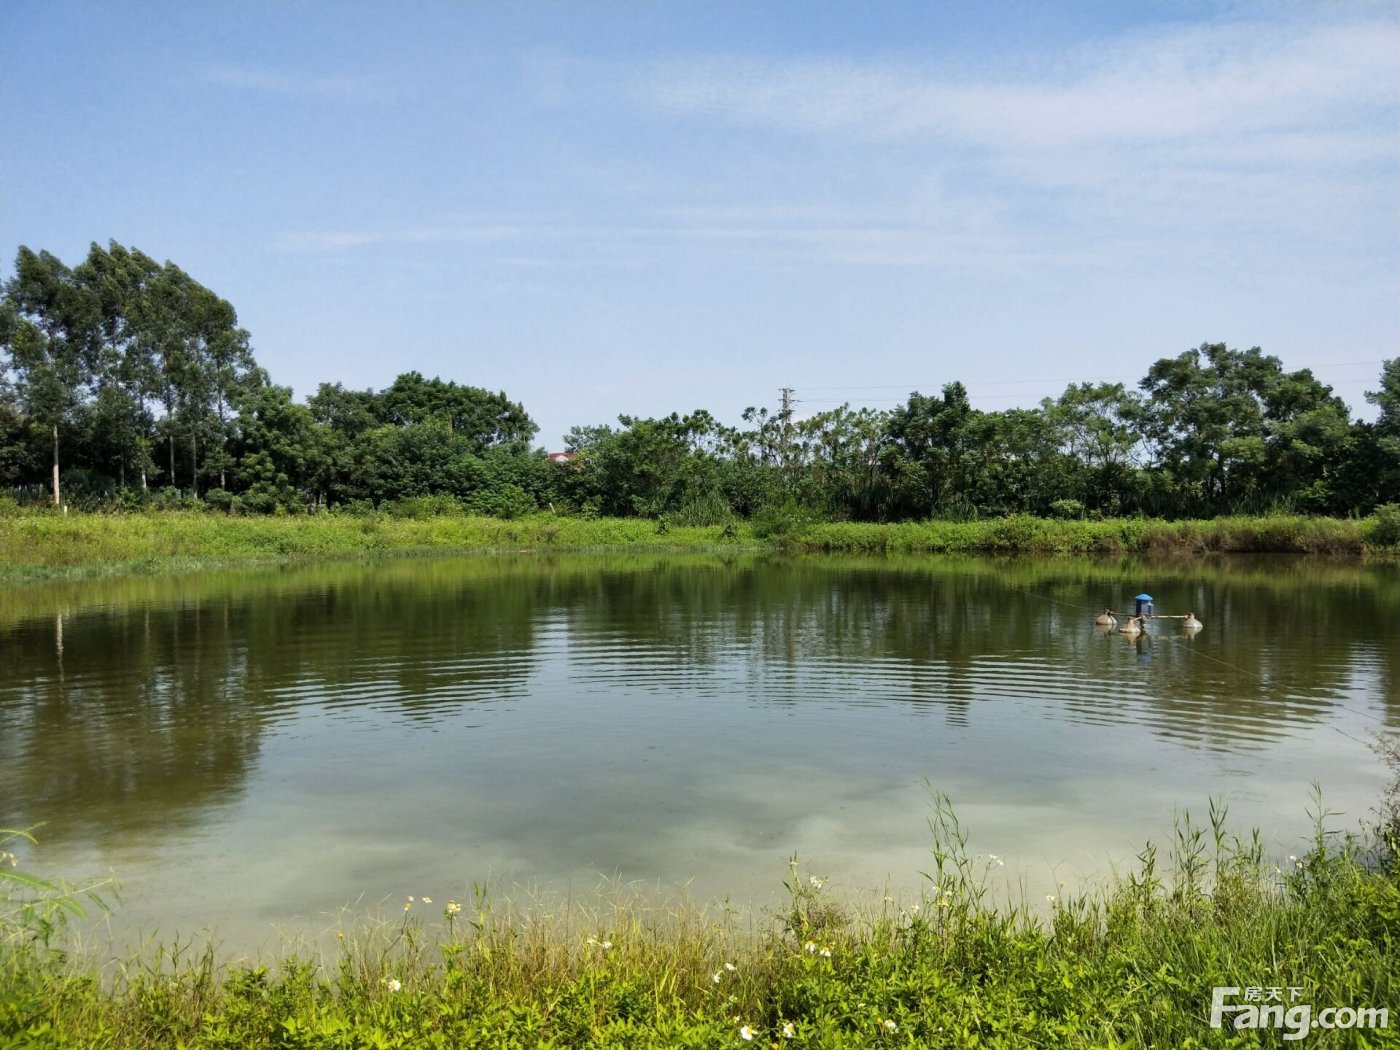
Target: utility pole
point(786, 416)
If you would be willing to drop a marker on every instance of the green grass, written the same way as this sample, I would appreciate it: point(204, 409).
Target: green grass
point(43, 543)
point(1022, 534)
point(48, 544)
point(1129, 963)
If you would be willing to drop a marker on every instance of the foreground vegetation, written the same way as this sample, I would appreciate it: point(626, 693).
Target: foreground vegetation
point(44, 543)
point(1131, 963)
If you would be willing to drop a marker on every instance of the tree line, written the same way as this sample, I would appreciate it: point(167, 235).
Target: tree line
point(125, 382)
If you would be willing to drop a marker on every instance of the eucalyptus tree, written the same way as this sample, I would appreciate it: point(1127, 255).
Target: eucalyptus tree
point(162, 349)
point(199, 364)
point(47, 330)
point(231, 371)
point(118, 279)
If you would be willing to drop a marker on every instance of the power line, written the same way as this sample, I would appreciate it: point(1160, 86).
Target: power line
point(1050, 381)
point(970, 383)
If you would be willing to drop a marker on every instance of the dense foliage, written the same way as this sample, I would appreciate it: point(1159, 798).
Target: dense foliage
point(124, 382)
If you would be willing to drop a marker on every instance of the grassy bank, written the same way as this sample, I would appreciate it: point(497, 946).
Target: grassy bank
point(44, 543)
point(1262, 535)
point(1131, 963)
point(48, 544)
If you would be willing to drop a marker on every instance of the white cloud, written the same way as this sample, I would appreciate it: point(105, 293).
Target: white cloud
point(1227, 80)
point(780, 236)
point(1253, 137)
point(334, 240)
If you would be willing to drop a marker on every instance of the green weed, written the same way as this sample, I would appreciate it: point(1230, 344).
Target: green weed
point(1129, 962)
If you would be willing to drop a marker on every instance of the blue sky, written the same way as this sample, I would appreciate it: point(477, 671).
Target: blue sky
point(651, 207)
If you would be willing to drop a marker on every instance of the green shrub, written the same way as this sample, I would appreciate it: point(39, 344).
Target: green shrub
point(420, 507)
point(782, 524)
point(507, 502)
point(708, 508)
point(223, 501)
point(171, 498)
point(1382, 528)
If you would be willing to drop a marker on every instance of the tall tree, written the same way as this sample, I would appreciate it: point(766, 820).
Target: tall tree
point(1097, 428)
point(838, 451)
point(1306, 429)
point(929, 450)
point(1387, 398)
point(118, 279)
point(47, 329)
point(347, 416)
point(1387, 431)
point(1205, 422)
point(200, 362)
point(232, 372)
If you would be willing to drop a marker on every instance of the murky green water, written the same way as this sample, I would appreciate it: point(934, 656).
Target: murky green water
point(252, 750)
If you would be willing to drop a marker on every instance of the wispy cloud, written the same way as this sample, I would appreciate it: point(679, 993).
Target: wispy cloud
point(1264, 132)
point(1266, 127)
point(783, 235)
point(1223, 80)
point(336, 240)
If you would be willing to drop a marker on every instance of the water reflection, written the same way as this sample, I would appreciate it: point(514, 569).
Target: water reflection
point(573, 709)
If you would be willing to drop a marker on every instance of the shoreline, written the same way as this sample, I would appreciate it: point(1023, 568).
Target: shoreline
point(37, 545)
point(1130, 959)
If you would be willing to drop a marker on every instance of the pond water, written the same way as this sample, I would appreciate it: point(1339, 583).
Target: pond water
point(251, 751)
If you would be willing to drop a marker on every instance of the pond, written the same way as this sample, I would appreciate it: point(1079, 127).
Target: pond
point(250, 751)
